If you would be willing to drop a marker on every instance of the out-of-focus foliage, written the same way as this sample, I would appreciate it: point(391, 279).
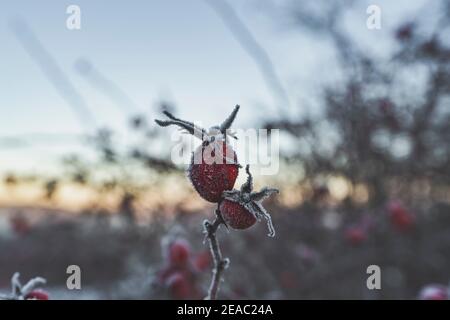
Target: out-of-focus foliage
point(376, 126)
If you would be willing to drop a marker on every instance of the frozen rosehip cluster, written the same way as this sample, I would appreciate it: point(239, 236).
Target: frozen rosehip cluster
point(214, 169)
point(29, 291)
point(180, 274)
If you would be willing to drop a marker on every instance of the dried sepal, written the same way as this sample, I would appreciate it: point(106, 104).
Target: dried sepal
point(16, 286)
point(215, 133)
point(33, 284)
point(263, 213)
point(232, 195)
point(192, 129)
point(247, 187)
point(229, 121)
point(263, 194)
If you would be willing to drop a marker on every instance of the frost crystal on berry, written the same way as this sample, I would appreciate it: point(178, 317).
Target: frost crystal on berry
point(251, 202)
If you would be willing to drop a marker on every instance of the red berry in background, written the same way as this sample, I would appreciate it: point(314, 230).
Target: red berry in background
point(405, 32)
point(401, 218)
point(20, 224)
point(288, 280)
point(434, 292)
point(37, 294)
point(307, 254)
point(211, 175)
point(355, 235)
point(179, 286)
point(202, 261)
point(214, 166)
point(240, 209)
point(237, 293)
point(236, 216)
point(179, 252)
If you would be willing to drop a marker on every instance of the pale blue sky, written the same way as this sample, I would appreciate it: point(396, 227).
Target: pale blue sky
point(174, 49)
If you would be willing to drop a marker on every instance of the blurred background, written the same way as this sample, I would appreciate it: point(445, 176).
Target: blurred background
point(364, 120)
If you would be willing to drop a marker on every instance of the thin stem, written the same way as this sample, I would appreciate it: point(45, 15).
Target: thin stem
point(220, 263)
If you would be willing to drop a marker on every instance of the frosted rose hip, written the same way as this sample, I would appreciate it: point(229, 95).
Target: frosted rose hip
point(240, 209)
point(37, 294)
point(179, 252)
point(211, 177)
point(214, 167)
point(236, 216)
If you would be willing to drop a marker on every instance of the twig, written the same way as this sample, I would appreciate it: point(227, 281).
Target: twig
point(220, 263)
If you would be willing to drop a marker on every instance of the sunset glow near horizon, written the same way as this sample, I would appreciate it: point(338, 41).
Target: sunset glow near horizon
point(150, 53)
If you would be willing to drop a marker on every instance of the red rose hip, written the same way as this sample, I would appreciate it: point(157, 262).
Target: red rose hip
point(240, 209)
point(355, 235)
point(202, 261)
point(37, 294)
point(401, 218)
point(179, 252)
point(214, 167)
point(434, 292)
point(179, 286)
point(236, 216)
point(211, 173)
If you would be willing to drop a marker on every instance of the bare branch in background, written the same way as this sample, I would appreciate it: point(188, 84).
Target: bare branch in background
point(38, 138)
point(109, 88)
point(254, 49)
point(367, 112)
point(54, 73)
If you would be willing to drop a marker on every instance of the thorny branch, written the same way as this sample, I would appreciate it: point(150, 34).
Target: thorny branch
point(220, 263)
